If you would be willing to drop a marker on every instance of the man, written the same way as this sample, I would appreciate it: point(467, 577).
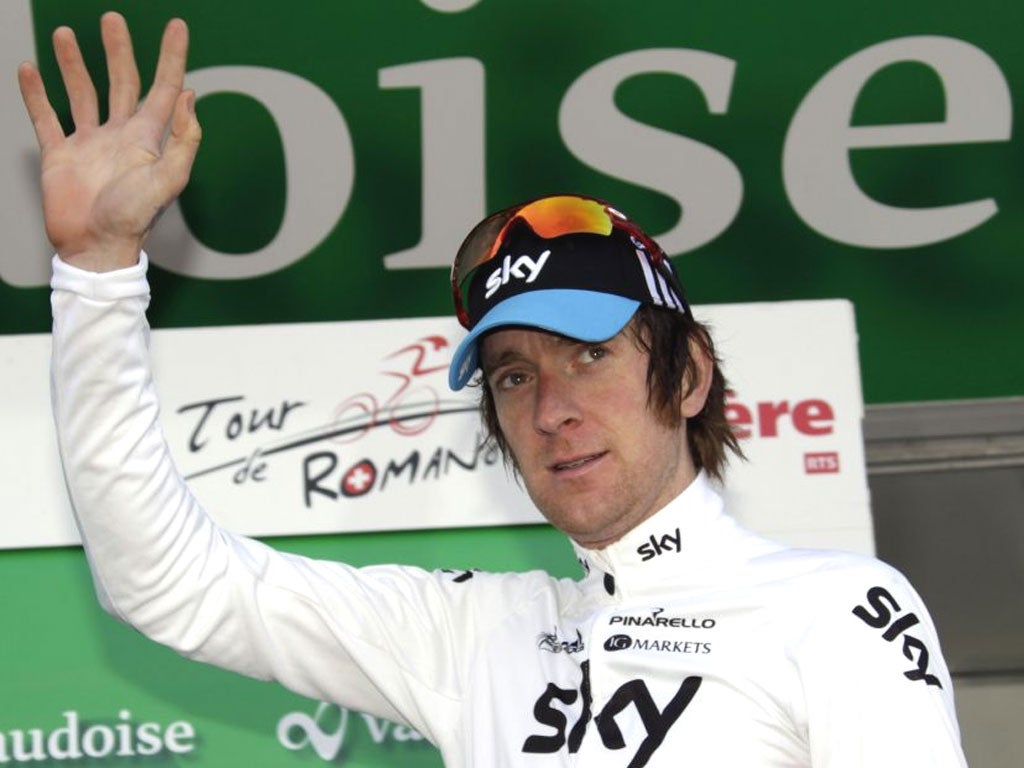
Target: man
point(688, 640)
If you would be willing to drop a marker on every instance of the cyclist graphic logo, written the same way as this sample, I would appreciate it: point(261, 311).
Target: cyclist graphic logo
point(411, 407)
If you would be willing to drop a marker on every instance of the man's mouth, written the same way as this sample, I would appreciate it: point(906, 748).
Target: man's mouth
point(563, 466)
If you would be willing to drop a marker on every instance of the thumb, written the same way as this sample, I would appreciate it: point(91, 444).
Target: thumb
point(179, 152)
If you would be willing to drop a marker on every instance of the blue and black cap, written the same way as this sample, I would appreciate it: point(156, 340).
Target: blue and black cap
point(569, 264)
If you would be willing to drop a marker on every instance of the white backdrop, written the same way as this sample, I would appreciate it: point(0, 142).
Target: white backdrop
point(317, 428)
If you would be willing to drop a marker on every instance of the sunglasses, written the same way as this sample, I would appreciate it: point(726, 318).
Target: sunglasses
point(548, 217)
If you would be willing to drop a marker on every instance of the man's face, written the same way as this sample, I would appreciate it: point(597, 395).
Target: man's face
point(596, 460)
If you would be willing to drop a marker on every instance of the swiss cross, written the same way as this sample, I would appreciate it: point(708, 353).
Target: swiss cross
point(357, 480)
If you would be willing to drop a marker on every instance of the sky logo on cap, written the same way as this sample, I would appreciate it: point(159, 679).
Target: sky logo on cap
point(523, 268)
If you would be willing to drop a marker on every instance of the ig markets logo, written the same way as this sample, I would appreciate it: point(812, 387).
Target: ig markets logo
point(618, 643)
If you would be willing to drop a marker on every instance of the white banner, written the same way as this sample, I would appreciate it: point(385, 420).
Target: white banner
point(331, 427)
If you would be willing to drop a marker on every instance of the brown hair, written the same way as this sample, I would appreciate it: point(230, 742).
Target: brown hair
point(665, 336)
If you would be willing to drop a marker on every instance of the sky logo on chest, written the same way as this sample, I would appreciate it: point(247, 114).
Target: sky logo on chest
point(656, 546)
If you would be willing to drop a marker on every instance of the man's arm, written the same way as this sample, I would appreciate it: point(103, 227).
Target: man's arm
point(373, 639)
point(105, 184)
point(876, 687)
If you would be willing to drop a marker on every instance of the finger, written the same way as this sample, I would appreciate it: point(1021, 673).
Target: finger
point(44, 120)
point(124, 74)
point(77, 83)
point(179, 152)
point(170, 72)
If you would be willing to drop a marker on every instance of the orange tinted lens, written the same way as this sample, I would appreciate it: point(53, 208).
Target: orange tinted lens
point(554, 216)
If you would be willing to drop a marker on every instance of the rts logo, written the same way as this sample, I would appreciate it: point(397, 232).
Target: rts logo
point(523, 268)
point(821, 463)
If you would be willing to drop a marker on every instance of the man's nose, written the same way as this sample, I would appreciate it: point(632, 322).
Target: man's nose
point(555, 406)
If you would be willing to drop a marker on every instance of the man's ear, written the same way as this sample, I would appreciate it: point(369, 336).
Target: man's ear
point(696, 391)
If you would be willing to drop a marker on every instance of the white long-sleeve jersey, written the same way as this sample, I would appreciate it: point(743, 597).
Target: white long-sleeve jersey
point(690, 641)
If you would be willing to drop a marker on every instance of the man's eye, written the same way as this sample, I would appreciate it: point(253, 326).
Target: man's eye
point(590, 354)
point(509, 380)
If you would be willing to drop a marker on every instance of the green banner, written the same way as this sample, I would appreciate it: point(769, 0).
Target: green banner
point(75, 679)
point(794, 150)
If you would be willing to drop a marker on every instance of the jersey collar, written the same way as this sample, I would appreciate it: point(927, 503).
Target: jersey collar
point(690, 541)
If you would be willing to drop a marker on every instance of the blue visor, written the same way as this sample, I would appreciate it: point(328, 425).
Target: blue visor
point(577, 314)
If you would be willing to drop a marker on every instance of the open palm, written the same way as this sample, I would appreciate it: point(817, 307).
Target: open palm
point(104, 185)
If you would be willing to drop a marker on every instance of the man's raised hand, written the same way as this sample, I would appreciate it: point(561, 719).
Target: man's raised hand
point(105, 184)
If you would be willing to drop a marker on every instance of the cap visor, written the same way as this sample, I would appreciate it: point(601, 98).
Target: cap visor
point(582, 315)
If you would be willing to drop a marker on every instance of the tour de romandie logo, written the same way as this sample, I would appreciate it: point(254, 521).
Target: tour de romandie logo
point(335, 463)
